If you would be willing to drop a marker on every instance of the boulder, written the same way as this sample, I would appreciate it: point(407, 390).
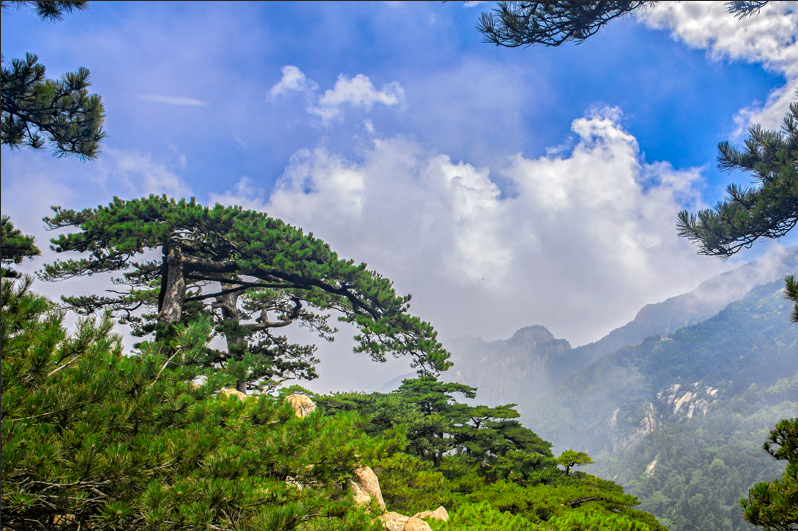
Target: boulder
point(228, 392)
point(438, 514)
point(366, 487)
point(302, 404)
point(394, 521)
point(416, 524)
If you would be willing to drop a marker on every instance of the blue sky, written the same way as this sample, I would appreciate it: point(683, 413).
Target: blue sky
point(501, 187)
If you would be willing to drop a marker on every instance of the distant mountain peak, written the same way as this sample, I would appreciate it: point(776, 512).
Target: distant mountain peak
point(534, 332)
point(532, 360)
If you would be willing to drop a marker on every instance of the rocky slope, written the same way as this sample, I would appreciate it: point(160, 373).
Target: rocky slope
point(615, 401)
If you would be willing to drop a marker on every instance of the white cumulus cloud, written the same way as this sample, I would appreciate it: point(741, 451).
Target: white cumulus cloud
point(293, 80)
point(357, 92)
point(578, 241)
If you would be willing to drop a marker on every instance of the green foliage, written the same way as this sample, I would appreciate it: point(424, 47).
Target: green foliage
point(592, 520)
point(515, 24)
point(480, 463)
point(477, 516)
point(297, 277)
point(551, 23)
point(774, 504)
point(95, 439)
point(35, 109)
point(14, 246)
point(767, 211)
point(570, 458)
point(585, 504)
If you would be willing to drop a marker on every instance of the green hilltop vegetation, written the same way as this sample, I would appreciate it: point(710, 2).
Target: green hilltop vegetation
point(97, 438)
point(680, 420)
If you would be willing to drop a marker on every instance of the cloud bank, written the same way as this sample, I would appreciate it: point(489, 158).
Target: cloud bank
point(570, 231)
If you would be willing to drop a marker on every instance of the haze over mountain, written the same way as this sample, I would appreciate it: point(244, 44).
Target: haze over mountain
point(617, 400)
point(523, 367)
point(680, 420)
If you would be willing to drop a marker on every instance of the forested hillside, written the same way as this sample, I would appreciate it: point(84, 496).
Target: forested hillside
point(692, 473)
point(680, 420)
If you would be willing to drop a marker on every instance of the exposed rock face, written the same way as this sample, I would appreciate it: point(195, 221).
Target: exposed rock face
point(650, 467)
point(394, 521)
point(646, 426)
point(366, 487)
point(228, 392)
point(399, 522)
point(673, 404)
point(416, 524)
point(438, 514)
point(302, 404)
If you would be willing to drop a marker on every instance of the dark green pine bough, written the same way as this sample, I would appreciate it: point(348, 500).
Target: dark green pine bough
point(552, 23)
point(254, 274)
point(768, 211)
point(36, 110)
point(14, 247)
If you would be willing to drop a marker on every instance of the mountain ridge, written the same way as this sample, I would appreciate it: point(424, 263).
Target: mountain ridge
point(503, 371)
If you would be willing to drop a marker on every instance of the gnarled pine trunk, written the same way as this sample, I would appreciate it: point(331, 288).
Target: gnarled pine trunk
point(236, 342)
point(173, 291)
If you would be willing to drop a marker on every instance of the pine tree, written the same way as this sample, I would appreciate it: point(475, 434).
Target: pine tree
point(14, 246)
point(515, 24)
point(552, 23)
point(570, 459)
point(36, 109)
point(95, 439)
point(767, 211)
point(236, 265)
point(436, 425)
